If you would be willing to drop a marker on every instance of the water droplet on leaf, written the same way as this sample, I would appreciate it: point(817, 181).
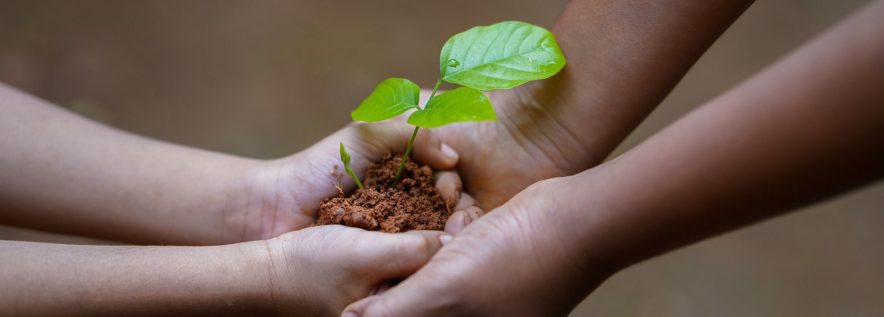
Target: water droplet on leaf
point(453, 63)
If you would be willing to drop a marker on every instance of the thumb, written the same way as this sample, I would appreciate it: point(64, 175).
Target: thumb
point(358, 308)
point(422, 294)
point(404, 300)
point(398, 255)
point(377, 306)
point(393, 137)
point(430, 150)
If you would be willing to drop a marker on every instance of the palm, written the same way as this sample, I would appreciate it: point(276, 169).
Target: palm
point(499, 159)
point(284, 195)
point(466, 278)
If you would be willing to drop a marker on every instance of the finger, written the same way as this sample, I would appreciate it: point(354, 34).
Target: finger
point(429, 150)
point(417, 296)
point(394, 256)
point(460, 219)
point(465, 201)
point(372, 141)
point(457, 222)
point(449, 186)
point(474, 213)
point(378, 139)
point(355, 309)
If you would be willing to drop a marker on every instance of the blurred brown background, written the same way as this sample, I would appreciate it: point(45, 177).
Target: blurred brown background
point(265, 79)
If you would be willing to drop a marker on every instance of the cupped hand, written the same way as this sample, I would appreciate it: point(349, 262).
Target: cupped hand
point(529, 142)
point(516, 261)
point(318, 271)
point(283, 195)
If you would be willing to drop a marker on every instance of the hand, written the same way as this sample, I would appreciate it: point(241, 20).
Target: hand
point(283, 195)
point(516, 261)
point(310, 272)
point(529, 142)
point(318, 271)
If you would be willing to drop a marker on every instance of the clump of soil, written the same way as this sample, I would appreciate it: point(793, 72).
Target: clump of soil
point(413, 204)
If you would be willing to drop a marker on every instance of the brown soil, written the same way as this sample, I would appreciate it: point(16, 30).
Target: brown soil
point(413, 204)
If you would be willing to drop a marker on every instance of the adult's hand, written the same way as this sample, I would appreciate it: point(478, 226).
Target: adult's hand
point(517, 261)
point(623, 58)
point(726, 165)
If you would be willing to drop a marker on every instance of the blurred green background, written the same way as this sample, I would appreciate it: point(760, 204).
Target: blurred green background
point(267, 78)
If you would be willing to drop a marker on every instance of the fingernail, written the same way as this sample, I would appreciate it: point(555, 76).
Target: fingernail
point(467, 219)
point(452, 200)
point(445, 238)
point(449, 152)
point(350, 314)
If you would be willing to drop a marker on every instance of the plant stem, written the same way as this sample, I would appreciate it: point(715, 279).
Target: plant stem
point(411, 141)
point(405, 157)
point(353, 176)
point(433, 94)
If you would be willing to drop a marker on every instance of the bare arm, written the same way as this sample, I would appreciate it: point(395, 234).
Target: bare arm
point(43, 279)
point(623, 58)
point(311, 272)
point(807, 128)
point(64, 173)
point(803, 130)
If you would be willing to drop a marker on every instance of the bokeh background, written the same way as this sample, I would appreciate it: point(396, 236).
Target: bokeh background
point(267, 78)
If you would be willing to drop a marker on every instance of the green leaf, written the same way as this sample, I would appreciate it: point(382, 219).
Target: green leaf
point(345, 157)
point(459, 105)
point(500, 56)
point(390, 98)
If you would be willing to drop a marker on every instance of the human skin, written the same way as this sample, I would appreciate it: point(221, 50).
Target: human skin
point(805, 129)
point(623, 58)
point(311, 272)
point(64, 173)
point(182, 195)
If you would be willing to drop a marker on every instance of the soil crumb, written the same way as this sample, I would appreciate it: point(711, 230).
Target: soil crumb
point(413, 204)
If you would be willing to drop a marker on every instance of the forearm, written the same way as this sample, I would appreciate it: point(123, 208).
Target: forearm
point(623, 58)
point(51, 279)
point(64, 173)
point(803, 130)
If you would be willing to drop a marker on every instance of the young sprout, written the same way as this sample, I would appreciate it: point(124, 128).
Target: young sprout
point(345, 157)
point(499, 56)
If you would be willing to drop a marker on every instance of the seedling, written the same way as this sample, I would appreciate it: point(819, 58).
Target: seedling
point(345, 157)
point(499, 56)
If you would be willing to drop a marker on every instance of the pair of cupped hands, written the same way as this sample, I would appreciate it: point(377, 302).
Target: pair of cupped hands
point(483, 264)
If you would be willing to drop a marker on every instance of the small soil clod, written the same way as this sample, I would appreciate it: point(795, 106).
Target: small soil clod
point(413, 204)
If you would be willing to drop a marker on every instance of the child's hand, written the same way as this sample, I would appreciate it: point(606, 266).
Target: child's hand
point(318, 271)
point(284, 195)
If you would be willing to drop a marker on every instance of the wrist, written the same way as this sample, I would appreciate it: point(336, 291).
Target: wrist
point(203, 201)
point(566, 209)
point(288, 290)
point(254, 278)
point(599, 217)
point(234, 279)
point(265, 201)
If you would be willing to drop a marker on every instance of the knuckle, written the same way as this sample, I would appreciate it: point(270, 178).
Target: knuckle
point(421, 248)
point(426, 246)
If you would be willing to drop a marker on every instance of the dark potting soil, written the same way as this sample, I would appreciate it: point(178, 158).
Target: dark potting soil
point(413, 204)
